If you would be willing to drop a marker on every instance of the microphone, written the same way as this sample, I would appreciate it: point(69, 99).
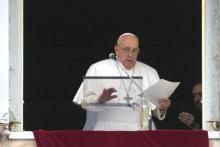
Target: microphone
point(112, 56)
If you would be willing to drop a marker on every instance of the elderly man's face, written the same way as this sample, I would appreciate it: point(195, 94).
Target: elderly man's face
point(127, 51)
point(197, 95)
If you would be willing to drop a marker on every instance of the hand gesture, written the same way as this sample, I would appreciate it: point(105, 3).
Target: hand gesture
point(107, 95)
point(186, 118)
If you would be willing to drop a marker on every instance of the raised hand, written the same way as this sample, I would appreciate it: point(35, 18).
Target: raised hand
point(107, 94)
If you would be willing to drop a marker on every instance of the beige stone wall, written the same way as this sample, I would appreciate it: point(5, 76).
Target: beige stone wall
point(32, 143)
point(211, 63)
point(214, 143)
point(26, 139)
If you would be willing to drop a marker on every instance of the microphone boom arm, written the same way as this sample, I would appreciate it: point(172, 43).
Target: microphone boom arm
point(132, 79)
point(146, 100)
point(144, 95)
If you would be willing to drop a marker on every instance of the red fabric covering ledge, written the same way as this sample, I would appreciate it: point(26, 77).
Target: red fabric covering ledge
point(159, 138)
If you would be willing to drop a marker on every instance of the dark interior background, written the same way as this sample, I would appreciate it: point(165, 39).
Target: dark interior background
point(63, 38)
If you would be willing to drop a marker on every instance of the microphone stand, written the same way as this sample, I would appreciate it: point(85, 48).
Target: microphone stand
point(146, 100)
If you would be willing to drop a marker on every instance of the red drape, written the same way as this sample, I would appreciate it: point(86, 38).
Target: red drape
point(159, 138)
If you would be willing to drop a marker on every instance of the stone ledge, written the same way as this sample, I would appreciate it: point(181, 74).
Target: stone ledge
point(30, 135)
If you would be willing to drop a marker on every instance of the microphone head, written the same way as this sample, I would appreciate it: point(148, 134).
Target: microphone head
point(112, 56)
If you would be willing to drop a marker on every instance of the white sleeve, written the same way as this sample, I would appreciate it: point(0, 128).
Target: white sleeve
point(84, 99)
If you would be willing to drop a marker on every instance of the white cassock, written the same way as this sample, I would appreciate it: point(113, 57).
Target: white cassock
point(118, 118)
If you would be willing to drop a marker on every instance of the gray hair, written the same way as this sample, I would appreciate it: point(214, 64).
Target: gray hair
point(126, 34)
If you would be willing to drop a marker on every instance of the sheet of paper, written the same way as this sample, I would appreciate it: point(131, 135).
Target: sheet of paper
point(163, 88)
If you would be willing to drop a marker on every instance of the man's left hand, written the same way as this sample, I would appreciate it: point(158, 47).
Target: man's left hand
point(164, 103)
